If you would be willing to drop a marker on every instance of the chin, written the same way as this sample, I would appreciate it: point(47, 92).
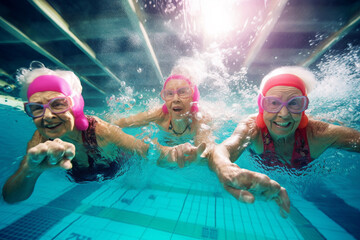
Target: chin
point(53, 134)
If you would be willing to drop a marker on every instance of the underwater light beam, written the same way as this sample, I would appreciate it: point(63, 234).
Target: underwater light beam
point(214, 17)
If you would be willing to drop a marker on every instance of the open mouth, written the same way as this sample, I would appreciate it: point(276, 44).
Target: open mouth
point(282, 124)
point(52, 126)
point(177, 109)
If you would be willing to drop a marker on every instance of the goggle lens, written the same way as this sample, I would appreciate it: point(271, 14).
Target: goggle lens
point(294, 105)
point(183, 92)
point(56, 105)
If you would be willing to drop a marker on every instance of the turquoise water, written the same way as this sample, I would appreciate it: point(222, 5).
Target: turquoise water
point(149, 202)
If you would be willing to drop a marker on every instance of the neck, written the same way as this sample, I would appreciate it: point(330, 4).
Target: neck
point(179, 126)
point(73, 136)
point(283, 139)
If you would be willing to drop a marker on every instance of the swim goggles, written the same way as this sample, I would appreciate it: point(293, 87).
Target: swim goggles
point(56, 105)
point(294, 105)
point(183, 92)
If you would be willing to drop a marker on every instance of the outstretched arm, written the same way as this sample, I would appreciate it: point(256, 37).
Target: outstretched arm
point(243, 184)
point(348, 138)
point(140, 119)
point(322, 135)
point(177, 155)
point(39, 158)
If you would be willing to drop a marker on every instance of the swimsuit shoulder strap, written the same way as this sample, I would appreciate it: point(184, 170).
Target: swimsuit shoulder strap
point(301, 153)
point(89, 136)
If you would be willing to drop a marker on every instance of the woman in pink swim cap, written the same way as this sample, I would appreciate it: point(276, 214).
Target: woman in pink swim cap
point(180, 115)
point(281, 134)
point(89, 148)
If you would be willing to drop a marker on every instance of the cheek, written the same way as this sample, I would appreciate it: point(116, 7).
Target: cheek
point(168, 104)
point(268, 116)
point(68, 118)
point(296, 117)
point(37, 122)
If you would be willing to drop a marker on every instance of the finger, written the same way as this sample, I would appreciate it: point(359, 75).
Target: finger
point(37, 154)
point(241, 195)
point(180, 158)
point(69, 154)
point(284, 202)
point(271, 190)
point(66, 164)
point(176, 157)
point(55, 155)
point(201, 148)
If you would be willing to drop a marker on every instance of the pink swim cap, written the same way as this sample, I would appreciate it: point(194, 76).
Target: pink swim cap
point(57, 84)
point(196, 95)
point(282, 80)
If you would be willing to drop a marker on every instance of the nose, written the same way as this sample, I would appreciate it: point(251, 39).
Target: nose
point(283, 111)
point(176, 97)
point(48, 113)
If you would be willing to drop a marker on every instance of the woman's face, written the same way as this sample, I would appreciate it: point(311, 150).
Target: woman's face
point(178, 106)
point(283, 123)
point(52, 125)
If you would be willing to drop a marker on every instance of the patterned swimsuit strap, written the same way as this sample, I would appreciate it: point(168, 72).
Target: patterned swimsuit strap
point(177, 133)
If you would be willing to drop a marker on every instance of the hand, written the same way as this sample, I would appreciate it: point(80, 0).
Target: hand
point(184, 153)
point(244, 185)
point(50, 154)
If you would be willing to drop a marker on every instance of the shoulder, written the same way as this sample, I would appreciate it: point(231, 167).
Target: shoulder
point(319, 129)
point(201, 117)
point(248, 125)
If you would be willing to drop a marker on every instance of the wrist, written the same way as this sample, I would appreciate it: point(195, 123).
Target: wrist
point(153, 153)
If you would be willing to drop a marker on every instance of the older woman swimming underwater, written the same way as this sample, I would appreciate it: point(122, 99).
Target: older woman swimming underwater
point(180, 115)
point(87, 147)
point(281, 134)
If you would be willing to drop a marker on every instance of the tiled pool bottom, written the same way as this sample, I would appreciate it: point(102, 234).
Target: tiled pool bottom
point(107, 211)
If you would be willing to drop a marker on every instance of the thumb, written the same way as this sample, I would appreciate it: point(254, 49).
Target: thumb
point(200, 149)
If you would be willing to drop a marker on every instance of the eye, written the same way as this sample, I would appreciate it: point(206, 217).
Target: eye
point(169, 93)
point(35, 108)
point(274, 102)
point(182, 90)
point(293, 102)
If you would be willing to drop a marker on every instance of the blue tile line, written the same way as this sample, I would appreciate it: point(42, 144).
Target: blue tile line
point(267, 219)
point(34, 224)
point(65, 228)
point(300, 226)
point(348, 217)
point(215, 210)
point(182, 208)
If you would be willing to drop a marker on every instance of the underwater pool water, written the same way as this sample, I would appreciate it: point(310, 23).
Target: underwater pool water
point(149, 202)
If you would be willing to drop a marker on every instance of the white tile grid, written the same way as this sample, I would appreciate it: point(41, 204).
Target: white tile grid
point(125, 229)
point(283, 228)
point(326, 226)
point(220, 220)
point(96, 196)
point(233, 228)
point(197, 209)
point(74, 231)
point(265, 216)
point(181, 237)
point(150, 234)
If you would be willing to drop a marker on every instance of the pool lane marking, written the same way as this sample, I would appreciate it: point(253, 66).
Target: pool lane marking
point(158, 223)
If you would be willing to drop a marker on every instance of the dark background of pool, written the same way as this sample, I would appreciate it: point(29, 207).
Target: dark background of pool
point(102, 42)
